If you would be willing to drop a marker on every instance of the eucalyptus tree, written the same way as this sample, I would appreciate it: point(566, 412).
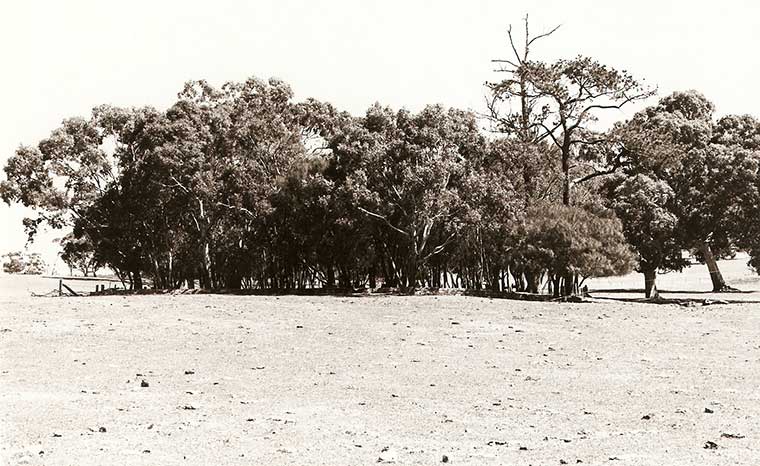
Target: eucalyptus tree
point(677, 142)
point(646, 207)
point(79, 253)
point(60, 177)
point(739, 135)
point(408, 172)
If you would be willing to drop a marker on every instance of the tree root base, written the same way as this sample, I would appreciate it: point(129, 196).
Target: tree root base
point(727, 289)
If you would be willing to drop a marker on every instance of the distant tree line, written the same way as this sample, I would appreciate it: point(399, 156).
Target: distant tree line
point(78, 252)
point(242, 187)
point(19, 262)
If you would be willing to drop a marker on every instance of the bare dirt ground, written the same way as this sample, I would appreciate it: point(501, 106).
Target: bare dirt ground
point(346, 381)
point(693, 282)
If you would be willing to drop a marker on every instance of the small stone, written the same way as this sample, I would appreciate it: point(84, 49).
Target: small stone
point(445, 459)
point(387, 455)
point(189, 372)
point(646, 417)
point(710, 445)
point(102, 430)
point(708, 411)
point(144, 384)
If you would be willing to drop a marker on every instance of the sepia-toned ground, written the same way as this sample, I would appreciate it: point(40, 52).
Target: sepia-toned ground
point(244, 380)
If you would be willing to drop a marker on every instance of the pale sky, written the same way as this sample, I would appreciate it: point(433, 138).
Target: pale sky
point(60, 59)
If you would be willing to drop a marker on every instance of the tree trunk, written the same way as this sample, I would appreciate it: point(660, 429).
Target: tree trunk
point(566, 173)
point(518, 279)
point(344, 279)
point(235, 280)
point(556, 282)
point(206, 281)
point(496, 282)
point(718, 283)
point(532, 282)
point(650, 286)
point(137, 283)
point(568, 282)
point(411, 272)
point(372, 278)
point(171, 269)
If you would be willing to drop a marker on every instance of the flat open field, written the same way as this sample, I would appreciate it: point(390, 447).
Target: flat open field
point(244, 380)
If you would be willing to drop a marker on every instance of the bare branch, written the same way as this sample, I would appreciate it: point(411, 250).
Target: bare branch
point(438, 249)
point(595, 174)
point(385, 219)
point(239, 208)
point(550, 133)
point(541, 36)
point(512, 44)
point(509, 62)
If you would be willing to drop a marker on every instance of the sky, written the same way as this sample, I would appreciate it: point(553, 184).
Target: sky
point(60, 59)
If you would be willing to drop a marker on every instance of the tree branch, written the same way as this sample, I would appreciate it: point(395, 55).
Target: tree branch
point(385, 219)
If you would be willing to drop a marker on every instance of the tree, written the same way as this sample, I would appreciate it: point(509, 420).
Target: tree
point(738, 136)
point(673, 141)
point(14, 263)
point(559, 103)
point(569, 241)
point(61, 177)
point(35, 265)
point(526, 153)
point(79, 253)
point(23, 263)
point(408, 181)
point(645, 207)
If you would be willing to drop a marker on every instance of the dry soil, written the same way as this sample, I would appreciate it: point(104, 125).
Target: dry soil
point(234, 380)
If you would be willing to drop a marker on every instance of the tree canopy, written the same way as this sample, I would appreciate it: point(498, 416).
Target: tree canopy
point(242, 186)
